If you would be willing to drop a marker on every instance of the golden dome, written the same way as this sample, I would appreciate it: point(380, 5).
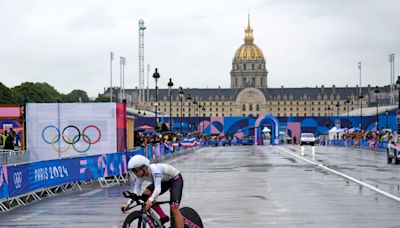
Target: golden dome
point(248, 50)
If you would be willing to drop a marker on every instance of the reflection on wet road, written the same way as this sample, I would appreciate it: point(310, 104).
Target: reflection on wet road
point(247, 186)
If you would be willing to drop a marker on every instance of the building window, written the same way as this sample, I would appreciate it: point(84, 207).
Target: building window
point(250, 107)
point(257, 107)
point(243, 107)
point(244, 66)
point(252, 66)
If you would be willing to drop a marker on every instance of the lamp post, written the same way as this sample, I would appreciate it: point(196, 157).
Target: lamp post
point(156, 76)
point(347, 107)
point(387, 121)
point(170, 84)
point(337, 111)
point(189, 99)
point(204, 114)
point(181, 93)
point(377, 113)
point(361, 97)
point(194, 112)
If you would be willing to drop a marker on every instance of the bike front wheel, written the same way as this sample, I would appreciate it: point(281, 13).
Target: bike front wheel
point(191, 217)
point(134, 219)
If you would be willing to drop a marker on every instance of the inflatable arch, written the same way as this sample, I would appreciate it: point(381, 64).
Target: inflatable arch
point(274, 131)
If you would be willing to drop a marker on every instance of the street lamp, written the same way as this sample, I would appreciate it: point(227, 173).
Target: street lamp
point(181, 93)
point(170, 84)
point(189, 99)
point(338, 118)
point(387, 122)
point(347, 107)
point(156, 76)
point(361, 97)
point(204, 114)
point(377, 114)
point(194, 112)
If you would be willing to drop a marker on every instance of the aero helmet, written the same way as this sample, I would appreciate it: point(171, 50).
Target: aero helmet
point(138, 161)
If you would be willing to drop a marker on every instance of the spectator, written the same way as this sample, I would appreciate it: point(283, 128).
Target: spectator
point(9, 142)
point(3, 137)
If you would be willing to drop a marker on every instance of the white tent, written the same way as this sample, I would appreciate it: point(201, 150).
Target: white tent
point(265, 129)
point(332, 133)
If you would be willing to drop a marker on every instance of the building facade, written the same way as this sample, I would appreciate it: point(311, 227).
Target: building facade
point(249, 94)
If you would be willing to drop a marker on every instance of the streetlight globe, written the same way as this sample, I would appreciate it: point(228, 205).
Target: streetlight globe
point(156, 75)
point(170, 83)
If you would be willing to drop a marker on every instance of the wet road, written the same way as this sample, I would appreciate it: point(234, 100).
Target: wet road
point(264, 186)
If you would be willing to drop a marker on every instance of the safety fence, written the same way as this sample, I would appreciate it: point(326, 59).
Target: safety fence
point(13, 157)
point(26, 182)
point(365, 144)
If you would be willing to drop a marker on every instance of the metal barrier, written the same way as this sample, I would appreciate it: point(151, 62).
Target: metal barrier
point(13, 157)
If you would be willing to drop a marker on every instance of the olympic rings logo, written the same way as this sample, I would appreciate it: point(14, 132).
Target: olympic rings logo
point(67, 139)
point(17, 180)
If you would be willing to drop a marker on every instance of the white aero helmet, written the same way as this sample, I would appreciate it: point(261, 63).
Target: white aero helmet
point(138, 161)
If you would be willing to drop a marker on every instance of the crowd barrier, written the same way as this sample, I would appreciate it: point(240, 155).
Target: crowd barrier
point(13, 157)
point(20, 179)
point(366, 144)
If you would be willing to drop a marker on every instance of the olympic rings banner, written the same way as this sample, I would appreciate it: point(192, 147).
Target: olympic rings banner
point(64, 130)
point(18, 181)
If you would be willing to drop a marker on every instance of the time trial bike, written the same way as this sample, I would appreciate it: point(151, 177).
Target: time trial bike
point(142, 219)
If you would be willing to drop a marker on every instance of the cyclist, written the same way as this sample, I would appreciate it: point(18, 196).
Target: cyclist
point(164, 177)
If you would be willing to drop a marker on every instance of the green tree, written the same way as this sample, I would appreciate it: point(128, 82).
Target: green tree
point(75, 95)
point(102, 98)
point(36, 92)
point(6, 96)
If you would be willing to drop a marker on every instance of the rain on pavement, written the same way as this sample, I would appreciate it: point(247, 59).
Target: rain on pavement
point(247, 186)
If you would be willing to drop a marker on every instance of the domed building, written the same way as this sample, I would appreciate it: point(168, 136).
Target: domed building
point(248, 65)
point(249, 94)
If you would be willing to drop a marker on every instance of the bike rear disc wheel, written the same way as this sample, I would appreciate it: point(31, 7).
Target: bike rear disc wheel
point(135, 218)
point(191, 214)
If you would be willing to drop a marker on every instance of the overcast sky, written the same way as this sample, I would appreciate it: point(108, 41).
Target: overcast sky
point(305, 42)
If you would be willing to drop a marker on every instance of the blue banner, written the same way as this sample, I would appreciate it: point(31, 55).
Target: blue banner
point(54, 172)
point(3, 182)
point(18, 181)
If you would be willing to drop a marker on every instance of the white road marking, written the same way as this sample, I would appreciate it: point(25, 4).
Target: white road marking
point(343, 175)
point(91, 192)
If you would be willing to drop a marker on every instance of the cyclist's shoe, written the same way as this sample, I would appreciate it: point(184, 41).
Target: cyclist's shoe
point(164, 220)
